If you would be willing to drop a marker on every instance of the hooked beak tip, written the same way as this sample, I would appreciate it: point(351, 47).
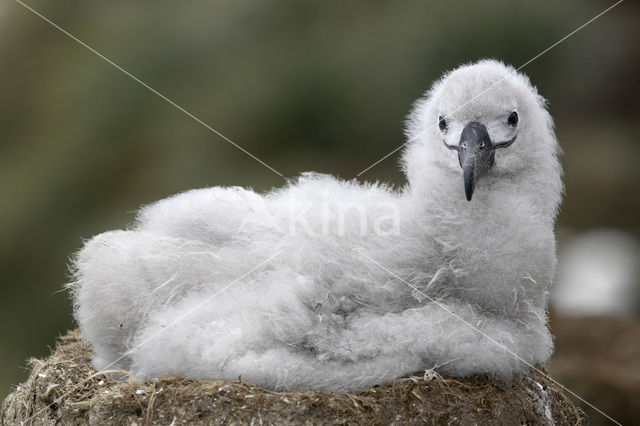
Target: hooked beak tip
point(468, 181)
point(475, 154)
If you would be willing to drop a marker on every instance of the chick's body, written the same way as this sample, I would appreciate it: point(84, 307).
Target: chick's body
point(333, 285)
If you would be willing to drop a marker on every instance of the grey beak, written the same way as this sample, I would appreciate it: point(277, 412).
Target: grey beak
point(476, 154)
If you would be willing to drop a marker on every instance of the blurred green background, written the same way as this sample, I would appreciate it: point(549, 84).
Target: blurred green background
point(303, 85)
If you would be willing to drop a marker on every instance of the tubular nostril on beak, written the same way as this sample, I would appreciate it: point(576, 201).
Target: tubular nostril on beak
point(474, 154)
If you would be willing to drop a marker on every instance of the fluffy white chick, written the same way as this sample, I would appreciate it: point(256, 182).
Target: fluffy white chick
point(298, 288)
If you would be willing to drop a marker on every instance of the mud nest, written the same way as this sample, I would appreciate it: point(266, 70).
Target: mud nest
point(65, 389)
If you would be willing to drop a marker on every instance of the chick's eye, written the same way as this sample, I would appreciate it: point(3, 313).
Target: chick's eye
point(442, 123)
point(512, 120)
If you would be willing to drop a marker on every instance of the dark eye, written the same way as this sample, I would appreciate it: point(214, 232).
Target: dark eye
point(442, 123)
point(512, 120)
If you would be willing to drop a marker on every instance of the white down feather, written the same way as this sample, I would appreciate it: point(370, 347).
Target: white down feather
point(293, 289)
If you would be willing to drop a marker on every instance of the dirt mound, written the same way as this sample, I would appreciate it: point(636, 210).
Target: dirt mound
point(65, 389)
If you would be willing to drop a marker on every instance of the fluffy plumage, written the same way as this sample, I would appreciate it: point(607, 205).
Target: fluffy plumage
point(319, 313)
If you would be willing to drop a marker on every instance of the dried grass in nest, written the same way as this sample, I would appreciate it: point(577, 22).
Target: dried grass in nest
point(65, 389)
